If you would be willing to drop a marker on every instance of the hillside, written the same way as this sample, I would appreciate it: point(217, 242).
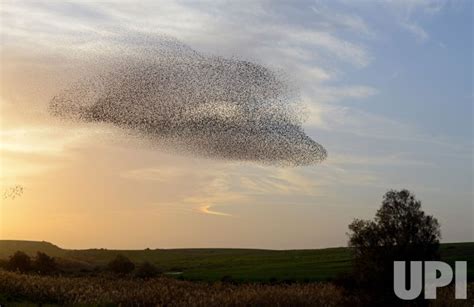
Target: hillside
point(240, 264)
point(8, 247)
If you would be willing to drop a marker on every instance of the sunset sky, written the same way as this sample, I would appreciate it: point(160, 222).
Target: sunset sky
point(388, 87)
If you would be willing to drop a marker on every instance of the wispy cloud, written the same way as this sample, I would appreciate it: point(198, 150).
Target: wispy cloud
point(409, 12)
point(34, 150)
point(207, 210)
point(308, 41)
point(336, 20)
point(416, 30)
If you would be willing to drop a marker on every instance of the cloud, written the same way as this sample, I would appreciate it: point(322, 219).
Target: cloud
point(217, 27)
point(310, 41)
point(408, 14)
point(334, 20)
point(362, 124)
point(207, 210)
point(234, 185)
point(416, 30)
point(314, 42)
point(32, 150)
point(330, 94)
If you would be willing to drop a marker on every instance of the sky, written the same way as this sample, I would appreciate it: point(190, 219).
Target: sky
point(388, 88)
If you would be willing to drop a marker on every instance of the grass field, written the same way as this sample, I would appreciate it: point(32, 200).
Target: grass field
point(30, 290)
point(244, 265)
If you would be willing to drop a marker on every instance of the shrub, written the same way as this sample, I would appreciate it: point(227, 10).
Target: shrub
point(4, 264)
point(227, 279)
point(44, 264)
point(19, 261)
point(121, 265)
point(147, 270)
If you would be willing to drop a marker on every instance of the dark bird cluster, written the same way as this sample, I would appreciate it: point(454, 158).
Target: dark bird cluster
point(204, 105)
point(13, 192)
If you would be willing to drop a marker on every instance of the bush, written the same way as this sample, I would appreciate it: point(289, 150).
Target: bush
point(345, 280)
point(44, 264)
point(227, 279)
point(4, 264)
point(19, 261)
point(121, 265)
point(147, 270)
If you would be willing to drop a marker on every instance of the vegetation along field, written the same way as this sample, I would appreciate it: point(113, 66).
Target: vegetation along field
point(240, 265)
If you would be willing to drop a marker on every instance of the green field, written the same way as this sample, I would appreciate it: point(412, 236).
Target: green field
point(239, 264)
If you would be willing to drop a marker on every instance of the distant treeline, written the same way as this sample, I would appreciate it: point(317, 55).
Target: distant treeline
point(44, 264)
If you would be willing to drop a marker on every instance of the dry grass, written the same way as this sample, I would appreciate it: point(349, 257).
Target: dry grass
point(444, 297)
point(164, 292)
point(170, 292)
